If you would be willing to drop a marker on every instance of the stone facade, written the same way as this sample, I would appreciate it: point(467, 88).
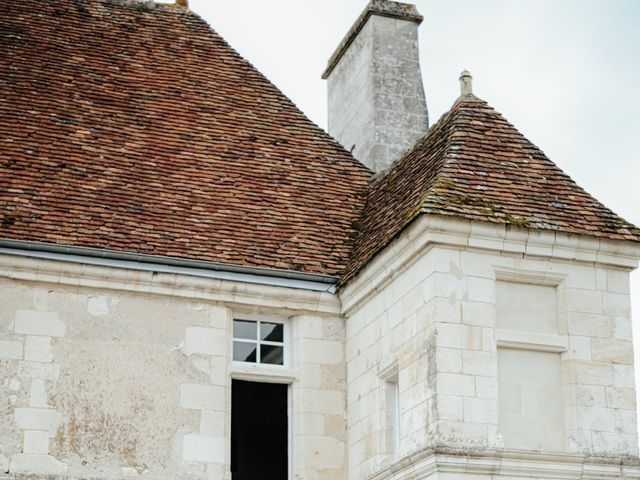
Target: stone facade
point(435, 303)
point(116, 373)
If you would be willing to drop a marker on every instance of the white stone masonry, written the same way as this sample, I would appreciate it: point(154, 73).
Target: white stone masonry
point(39, 421)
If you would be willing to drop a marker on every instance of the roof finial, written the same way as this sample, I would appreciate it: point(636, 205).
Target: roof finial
point(182, 3)
point(466, 83)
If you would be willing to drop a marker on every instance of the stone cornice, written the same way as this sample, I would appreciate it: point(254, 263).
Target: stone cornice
point(509, 464)
point(431, 230)
point(232, 293)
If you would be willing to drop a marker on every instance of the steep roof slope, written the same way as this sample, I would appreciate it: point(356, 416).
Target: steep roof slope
point(134, 127)
point(474, 164)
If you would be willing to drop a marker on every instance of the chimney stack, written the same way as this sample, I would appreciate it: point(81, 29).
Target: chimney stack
point(377, 106)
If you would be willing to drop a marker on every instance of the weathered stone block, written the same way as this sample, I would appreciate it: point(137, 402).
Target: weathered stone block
point(618, 281)
point(482, 290)
point(38, 349)
point(612, 351)
point(481, 410)
point(450, 407)
point(207, 341)
point(449, 335)
point(36, 441)
point(624, 376)
point(447, 286)
point(330, 402)
point(479, 363)
point(212, 424)
point(453, 384)
point(626, 421)
point(610, 443)
point(441, 310)
point(200, 448)
point(472, 337)
point(586, 395)
point(622, 328)
point(596, 418)
point(38, 394)
point(617, 303)
point(322, 351)
point(588, 325)
point(621, 397)
point(588, 373)
point(10, 350)
point(449, 360)
point(37, 419)
point(202, 397)
point(584, 301)
point(486, 387)
point(41, 371)
point(333, 456)
point(579, 348)
point(35, 464)
point(459, 433)
point(35, 322)
point(479, 314)
point(219, 317)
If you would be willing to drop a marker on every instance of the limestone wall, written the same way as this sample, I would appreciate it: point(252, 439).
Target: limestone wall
point(437, 321)
point(131, 377)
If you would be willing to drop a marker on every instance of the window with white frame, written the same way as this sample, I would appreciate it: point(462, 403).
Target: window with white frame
point(259, 342)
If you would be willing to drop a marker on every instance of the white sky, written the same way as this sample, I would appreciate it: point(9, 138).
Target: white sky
point(566, 74)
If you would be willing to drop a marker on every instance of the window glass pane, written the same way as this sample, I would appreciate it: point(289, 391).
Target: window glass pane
point(271, 332)
point(272, 354)
point(244, 352)
point(245, 329)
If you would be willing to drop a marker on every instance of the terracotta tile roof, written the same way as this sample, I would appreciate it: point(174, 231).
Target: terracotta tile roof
point(134, 127)
point(474, 164)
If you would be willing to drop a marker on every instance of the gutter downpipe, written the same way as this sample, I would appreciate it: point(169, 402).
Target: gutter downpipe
point(173, 265)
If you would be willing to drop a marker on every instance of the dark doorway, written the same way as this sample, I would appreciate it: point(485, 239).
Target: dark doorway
point(258, 431)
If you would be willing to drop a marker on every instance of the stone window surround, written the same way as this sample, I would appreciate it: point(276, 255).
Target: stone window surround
point(390, 441)
point(267, 373)
point(530, 341)
point(539, 342)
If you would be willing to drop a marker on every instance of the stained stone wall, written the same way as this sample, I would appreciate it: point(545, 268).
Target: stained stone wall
point(130, 375)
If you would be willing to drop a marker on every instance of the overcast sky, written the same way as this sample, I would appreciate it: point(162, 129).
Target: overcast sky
point(566, 74)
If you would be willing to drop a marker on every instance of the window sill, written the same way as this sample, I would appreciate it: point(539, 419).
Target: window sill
point(531, 341)
point(262, 373)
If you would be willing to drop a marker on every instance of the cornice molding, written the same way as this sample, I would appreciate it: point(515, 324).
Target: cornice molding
point(509, 464)
point(234, 293)
point(434, 230)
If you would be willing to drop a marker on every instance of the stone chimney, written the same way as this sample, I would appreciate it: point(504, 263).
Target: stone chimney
point(377, 107)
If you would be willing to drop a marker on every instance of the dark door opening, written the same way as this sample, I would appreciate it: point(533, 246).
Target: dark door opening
point(258, 431)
